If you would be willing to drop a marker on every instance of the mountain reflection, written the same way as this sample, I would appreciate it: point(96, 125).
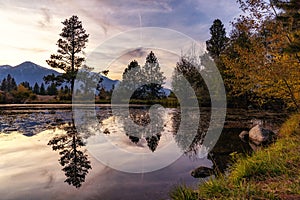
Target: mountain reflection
point(74, 161)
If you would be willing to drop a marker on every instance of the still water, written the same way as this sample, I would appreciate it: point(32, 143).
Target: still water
point(30, 169)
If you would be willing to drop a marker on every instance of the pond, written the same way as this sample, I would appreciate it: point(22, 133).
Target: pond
point(116, 159)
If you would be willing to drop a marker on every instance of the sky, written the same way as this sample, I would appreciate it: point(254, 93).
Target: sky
point(30, 29)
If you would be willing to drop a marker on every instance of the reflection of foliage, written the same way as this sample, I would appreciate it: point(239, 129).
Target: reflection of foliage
point(149, 128)
point(75, 163)
point(133, 139)
point(184, 137)
point(152, 141)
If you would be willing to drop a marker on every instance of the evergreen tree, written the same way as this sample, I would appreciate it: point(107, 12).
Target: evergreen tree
point(154, 77)
point(66, 90)
point(69, 55)
point(8, 84)
point(149, 78)
point(218, 41)
point(42, 89)
point(216, 45)
point(11, 83)
point(51, 89)
point(132, 76)
point(152, 142)
point(36, 88)
point(4, 85)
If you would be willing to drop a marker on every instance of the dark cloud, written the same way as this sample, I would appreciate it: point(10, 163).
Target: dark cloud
point(137, 53)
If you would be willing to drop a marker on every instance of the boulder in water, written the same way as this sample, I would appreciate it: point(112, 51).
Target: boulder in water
point(202, 172)
point(261, 136)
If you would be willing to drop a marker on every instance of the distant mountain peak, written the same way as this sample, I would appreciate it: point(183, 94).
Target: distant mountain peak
point(26, 71)
point(33, 73)
point(28, 63)
point(5, 66)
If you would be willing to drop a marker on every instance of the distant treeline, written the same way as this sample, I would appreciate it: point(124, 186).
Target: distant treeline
point(11, 92)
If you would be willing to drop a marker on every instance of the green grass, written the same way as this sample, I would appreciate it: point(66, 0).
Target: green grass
point(272, 173)
point(183, 193)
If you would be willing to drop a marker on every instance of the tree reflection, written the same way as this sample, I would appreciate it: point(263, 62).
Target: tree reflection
point(152, 142)
point(133, 139)
point(187, 140)
point(150, 129)
point(74, 161)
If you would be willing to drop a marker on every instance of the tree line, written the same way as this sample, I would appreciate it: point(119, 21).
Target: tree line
point(259, 63)
point(10, 92)
point(260, 60)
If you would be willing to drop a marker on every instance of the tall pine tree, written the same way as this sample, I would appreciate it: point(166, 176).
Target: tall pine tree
point(154, 77)
point(42, 89)
point(36, 88)
point(218, 41)
point(131, 77)
point(216, 46)
point(8, 84)
point(69, 55)
point(149, 78)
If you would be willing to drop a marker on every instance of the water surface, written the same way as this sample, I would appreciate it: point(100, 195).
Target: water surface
point(29, 169)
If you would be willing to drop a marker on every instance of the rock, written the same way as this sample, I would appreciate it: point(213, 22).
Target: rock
point(202, 172)
point(255, 147)
point(244, 136)
point(261, 136)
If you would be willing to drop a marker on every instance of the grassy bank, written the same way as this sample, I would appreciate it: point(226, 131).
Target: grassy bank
point(272, 173)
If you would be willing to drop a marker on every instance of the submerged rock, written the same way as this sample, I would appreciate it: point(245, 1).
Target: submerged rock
point(202, 172)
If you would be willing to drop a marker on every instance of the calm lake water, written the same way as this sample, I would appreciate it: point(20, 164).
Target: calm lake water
point(29, 169)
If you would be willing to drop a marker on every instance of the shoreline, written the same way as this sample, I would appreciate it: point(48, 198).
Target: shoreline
point(271, 173)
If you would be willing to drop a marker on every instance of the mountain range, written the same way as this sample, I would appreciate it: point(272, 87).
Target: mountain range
point(33, 73)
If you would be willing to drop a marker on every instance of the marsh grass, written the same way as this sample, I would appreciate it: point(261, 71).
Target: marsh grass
point(183, 193)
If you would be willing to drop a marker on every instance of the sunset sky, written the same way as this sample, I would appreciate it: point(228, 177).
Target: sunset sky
point(30, 29)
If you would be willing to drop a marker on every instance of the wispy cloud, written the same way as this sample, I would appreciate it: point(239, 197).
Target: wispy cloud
point(46, 18)
point(36, 24)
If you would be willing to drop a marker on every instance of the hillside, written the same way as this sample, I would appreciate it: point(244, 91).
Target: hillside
point(33, 73)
